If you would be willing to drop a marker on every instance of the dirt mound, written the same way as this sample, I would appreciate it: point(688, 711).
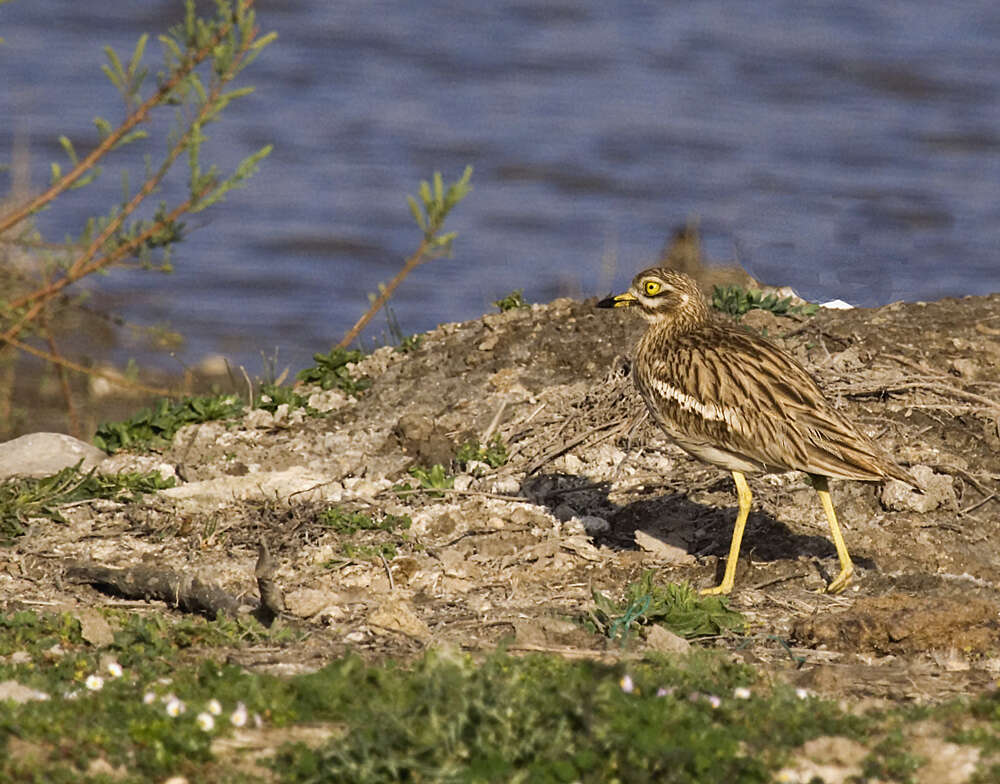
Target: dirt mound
point(590, 497)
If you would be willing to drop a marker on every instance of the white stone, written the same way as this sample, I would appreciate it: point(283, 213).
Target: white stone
point(44, 454)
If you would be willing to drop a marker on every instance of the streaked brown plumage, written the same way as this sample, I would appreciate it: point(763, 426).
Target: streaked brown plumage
point(735, 400)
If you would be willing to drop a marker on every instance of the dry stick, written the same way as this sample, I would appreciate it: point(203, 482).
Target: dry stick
point(180, 590)
point(104, 147)
point(411, 263)
point(567, 445)
point(272, 600)
point(62, 361)
point(74, 419)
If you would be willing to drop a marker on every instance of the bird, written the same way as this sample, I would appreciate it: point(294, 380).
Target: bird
point(733, 399)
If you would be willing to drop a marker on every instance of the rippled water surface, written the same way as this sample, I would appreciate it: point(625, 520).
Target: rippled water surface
point(848, 149)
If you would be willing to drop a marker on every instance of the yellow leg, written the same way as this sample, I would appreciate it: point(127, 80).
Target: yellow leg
point(745, 497)
point(841, 581)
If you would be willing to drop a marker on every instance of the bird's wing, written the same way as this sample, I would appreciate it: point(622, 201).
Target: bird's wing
point(739, 392)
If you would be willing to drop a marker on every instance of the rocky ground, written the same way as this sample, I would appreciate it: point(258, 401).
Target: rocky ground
point(590, 498)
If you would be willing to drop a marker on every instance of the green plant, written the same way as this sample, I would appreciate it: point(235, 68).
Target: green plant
point(432, 479)
point(22, 499)
point(736, 301)
point(675, 605)
point(348, 523)
point(156, 426)
point(331, 371)
point(494, 453)
point(513, 301)
point(272, 395)
point(202, 58)
point(436, 202)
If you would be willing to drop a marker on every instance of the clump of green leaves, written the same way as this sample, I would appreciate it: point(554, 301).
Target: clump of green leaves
point(156, 426)
point(494, 453)
point(273, 395)
point(437, 202)
point(348, 523)
point(736, 301)
point(513, 301)
point(433, 478)
point(331, 371)
point(676, 606)
point(22, 499)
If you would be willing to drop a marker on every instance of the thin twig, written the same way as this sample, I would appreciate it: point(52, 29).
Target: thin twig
point(411, 263)
point(388, 572)
point(134, 119)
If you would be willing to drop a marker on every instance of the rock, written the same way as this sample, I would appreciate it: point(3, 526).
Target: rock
point(17, 692)
point(665, 552)
point(421, 437)
point(398, 615)
point(938, 492)
point(44, 454)
point(309, 602)
point(265, 485)
point(665, 641)
point(132, 463)
point(594, 525)
point(564, 512)
point(94, 628)
point(830, 759)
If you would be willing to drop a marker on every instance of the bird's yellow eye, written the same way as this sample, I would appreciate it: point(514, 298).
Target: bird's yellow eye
point(651, 287)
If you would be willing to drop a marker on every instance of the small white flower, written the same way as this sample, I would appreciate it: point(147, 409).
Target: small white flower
point(627, 685)
point(714, 701)
point(802, 694)
point(114, 669)
point(206, 721)
point(741, 693)
point(664, 692)
point(148, 698)
point(214, 707)
point(175, 707)
point(94, 682)
point(239, 716)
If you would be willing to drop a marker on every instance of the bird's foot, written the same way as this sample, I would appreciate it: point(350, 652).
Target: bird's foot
point(842, 580)
point(722, 589)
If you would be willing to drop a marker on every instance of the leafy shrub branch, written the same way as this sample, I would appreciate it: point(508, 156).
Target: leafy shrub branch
point(202, 57)
point(436, 202)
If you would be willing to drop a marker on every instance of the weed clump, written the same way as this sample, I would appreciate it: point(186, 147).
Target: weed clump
point(737, 301)
point(676, 606)
point(331, 372)
point(156, 426)
point(513, 301)
point(22, 499)
point(494, 454)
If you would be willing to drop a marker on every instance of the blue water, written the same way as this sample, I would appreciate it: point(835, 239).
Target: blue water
point(846, 149)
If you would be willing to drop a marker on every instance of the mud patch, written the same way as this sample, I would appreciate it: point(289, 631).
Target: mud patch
point(898, 624)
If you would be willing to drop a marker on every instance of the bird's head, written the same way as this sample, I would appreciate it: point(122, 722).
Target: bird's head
point(663, 297)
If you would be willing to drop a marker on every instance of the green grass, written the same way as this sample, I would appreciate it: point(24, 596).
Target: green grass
point(736, 301)
point(156, 426)
point(446, 717)
point(22, 499)
point(386, 533)
point(676, 606)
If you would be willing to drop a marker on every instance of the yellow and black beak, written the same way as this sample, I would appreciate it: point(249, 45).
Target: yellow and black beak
point(626, 300)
